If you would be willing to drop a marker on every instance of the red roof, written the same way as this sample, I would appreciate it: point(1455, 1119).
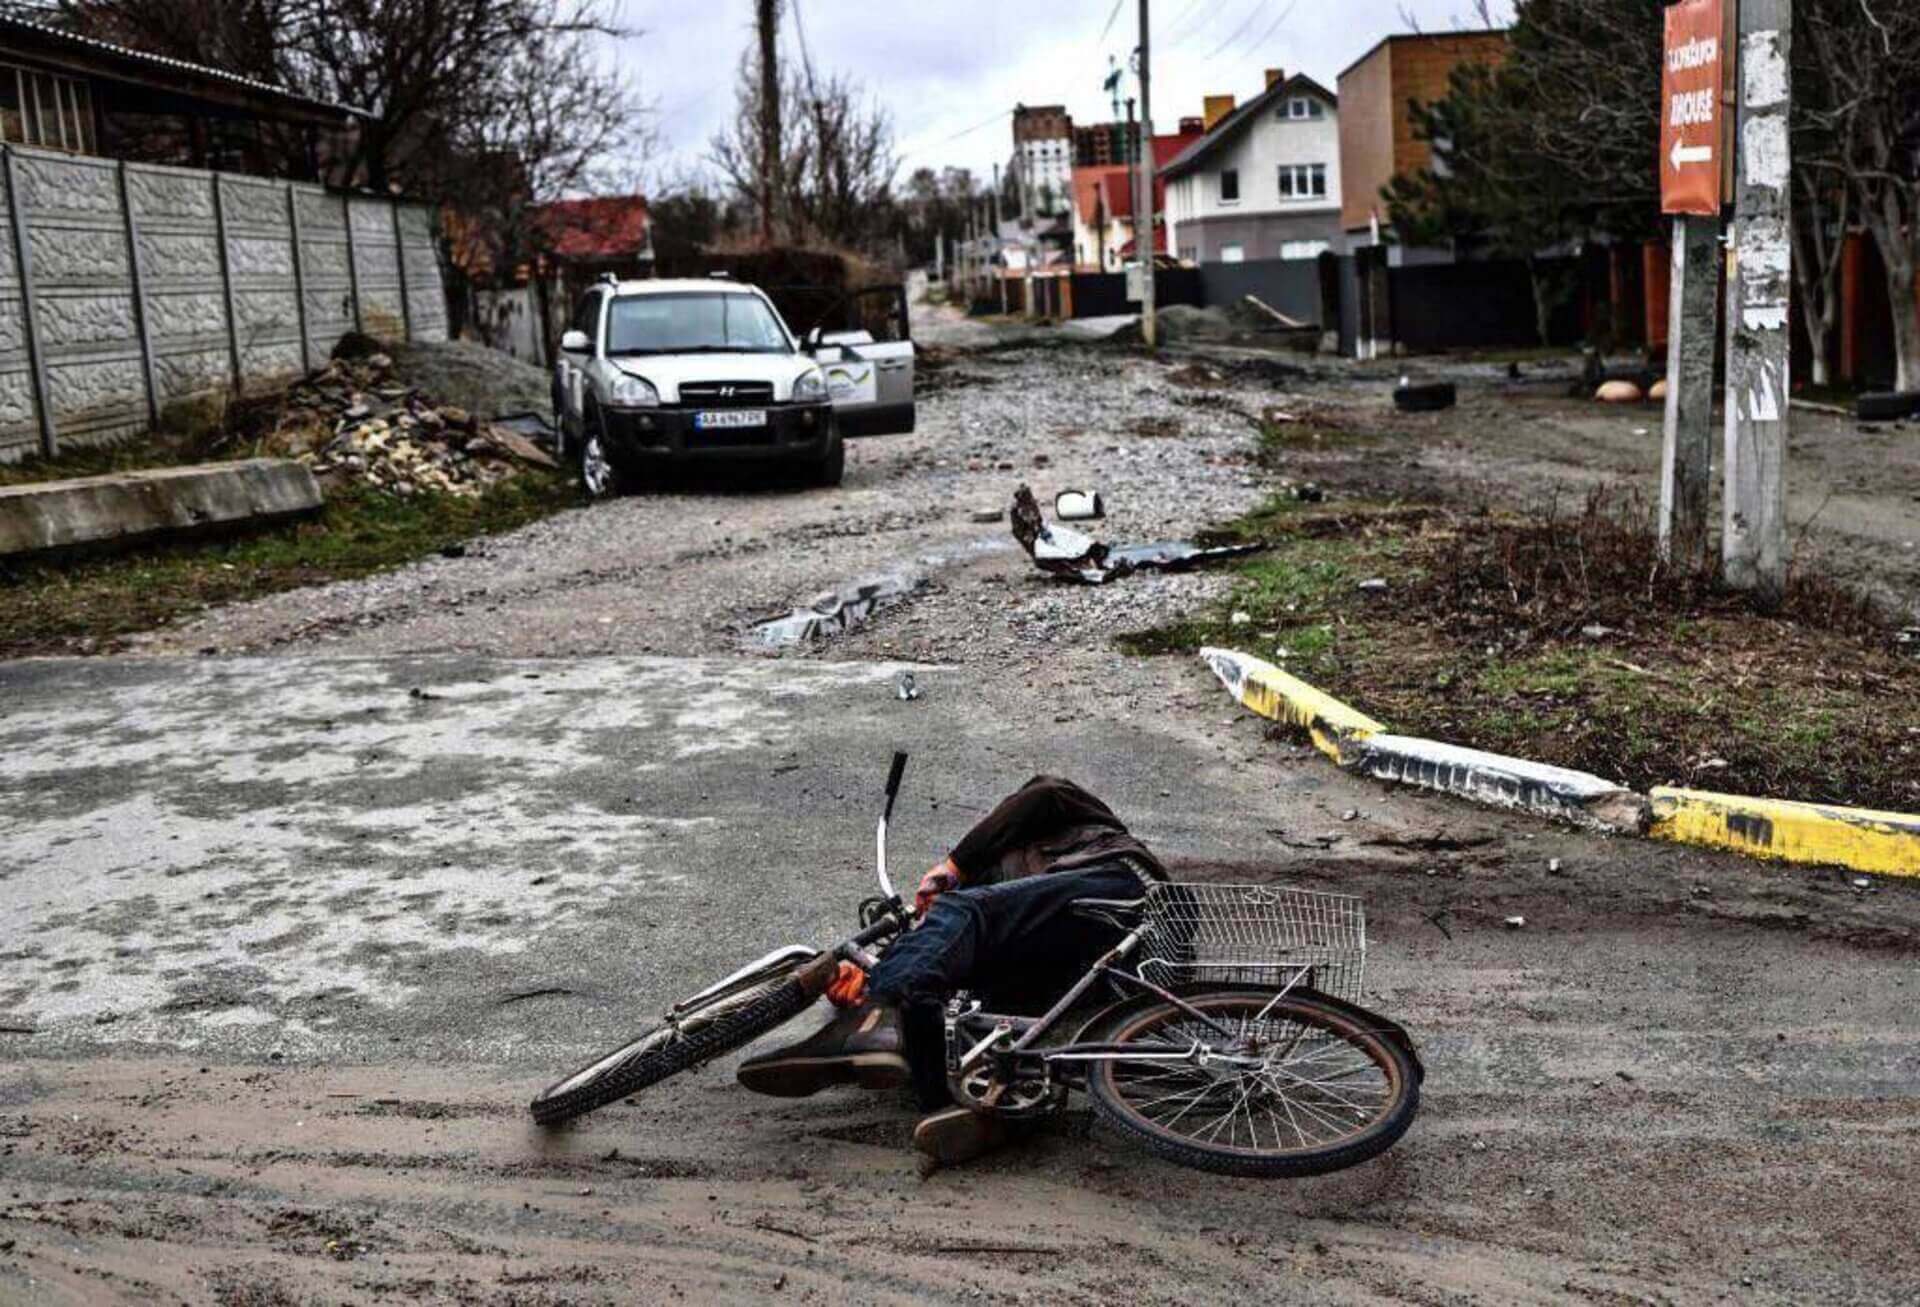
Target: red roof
point(1166, 148)
point(604, 227)
point(1087, 184)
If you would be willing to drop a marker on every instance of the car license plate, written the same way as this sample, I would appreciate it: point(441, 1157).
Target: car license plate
point(714, 419)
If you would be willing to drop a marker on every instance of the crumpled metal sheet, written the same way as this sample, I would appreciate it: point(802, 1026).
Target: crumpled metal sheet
point(834, 612)
point(1064, 551)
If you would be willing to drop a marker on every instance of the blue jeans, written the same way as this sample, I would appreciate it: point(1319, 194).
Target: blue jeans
point(1019, 941)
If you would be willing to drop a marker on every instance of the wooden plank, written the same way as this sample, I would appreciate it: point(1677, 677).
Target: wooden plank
point(1754, 537)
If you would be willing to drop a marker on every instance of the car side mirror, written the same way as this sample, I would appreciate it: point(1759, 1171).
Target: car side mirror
point(575, 341)
point(811, 341)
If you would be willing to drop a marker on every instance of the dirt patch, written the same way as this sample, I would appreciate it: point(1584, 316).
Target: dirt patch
point(1567, 640)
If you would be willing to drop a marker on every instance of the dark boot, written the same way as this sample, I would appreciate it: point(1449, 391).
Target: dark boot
point(959, 1134)
point(861, 1046)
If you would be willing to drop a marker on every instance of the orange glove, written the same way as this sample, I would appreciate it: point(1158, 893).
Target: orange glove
point(848, 988)
point(932, 885)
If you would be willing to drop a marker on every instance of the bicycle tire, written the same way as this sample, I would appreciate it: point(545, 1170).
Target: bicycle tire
point(646, 1061)
point(1133, 1017)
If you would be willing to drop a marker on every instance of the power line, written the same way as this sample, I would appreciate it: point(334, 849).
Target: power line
point(1245, 23)
point(1111, 15)
point(965, 131)
point(1284, 15)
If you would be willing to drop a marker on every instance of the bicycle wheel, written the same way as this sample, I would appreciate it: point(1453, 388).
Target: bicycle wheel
point(1303, 1087)
point(671, 1049)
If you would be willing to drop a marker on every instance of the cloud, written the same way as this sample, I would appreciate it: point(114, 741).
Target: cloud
point(950, 71)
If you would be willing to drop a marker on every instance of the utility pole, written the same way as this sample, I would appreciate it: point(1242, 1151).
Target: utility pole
point(1753, 545)
point(769, 24)
point(1143, 233)
point(1130, 155)
point(1692, 157)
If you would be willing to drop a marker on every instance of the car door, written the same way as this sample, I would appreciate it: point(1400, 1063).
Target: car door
point(869, 363)
point(570, 370)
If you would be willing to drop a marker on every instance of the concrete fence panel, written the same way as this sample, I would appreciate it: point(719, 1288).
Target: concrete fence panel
point(79, 267)
point(127, 288)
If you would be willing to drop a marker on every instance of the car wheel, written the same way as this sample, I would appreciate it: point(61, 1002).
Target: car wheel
point(598, 475)
point(829, 469)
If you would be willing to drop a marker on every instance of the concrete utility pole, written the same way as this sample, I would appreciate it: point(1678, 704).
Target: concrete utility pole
point(1686, 457)
point(1754, 531)
point(769, 24)
point(1143, 232)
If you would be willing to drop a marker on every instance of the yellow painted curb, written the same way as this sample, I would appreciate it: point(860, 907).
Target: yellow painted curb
point(1854, 838)
point(1265, 689)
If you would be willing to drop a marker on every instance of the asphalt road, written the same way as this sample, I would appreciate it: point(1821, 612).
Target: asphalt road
point(297, 943)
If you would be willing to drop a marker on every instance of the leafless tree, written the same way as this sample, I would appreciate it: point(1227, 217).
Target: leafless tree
point(1863, 60)
point(836, 161)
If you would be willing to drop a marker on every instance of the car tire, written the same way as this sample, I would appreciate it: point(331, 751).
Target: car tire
point(828, 470)
point(600, 477)
point(1887, 405)
point(1427, 397)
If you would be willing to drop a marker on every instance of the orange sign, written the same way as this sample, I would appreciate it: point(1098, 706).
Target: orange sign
point(1690, 109)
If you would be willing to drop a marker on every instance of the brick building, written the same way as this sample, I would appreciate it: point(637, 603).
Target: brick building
point(1376, 125)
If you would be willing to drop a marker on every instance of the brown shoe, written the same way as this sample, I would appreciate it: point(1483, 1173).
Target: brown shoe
point(861, 1046)
point(958, 1134)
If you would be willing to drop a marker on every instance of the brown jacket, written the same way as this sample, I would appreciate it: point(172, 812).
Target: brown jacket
point(1047, 825)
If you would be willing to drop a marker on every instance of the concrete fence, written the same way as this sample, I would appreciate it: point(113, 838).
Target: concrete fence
point(126, 288)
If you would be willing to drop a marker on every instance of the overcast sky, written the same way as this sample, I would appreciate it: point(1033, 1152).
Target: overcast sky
point(950, 71)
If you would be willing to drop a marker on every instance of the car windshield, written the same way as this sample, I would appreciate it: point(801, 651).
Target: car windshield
point(695, 322)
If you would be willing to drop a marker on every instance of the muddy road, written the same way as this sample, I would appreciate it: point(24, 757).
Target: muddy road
point(292, 933)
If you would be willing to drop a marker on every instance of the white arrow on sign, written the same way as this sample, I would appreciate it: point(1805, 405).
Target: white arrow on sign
point(1690, 154)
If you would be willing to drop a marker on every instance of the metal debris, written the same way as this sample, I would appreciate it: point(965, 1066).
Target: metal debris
point(1516, 923)
point(1064, 551)
point(903, 685)
point(1079, 505)
point(834, 612)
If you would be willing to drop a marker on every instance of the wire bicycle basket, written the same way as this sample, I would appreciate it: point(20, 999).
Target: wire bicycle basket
point(1254, 934)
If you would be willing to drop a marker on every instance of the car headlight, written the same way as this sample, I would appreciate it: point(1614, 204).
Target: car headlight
point(809, 387)
point(633, 392)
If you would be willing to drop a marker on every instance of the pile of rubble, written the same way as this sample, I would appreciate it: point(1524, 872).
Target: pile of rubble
point(356, 422)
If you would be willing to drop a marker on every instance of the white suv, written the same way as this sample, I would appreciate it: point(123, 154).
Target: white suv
point(657, 371)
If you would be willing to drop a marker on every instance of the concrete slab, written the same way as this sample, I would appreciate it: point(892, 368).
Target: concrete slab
point(126, 506)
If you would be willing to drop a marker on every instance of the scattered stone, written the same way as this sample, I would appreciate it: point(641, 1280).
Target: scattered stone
point(1374, 585)
point(1516, 923)
point(1350, 814)
point(1553, 866)
point(986, 515)
point(1240, 617)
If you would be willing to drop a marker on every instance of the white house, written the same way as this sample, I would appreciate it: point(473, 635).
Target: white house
point(1264, 182)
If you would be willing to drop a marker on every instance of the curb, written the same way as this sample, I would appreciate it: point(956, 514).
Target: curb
point(1502, 782)
point(1265, 689)
point(1856, 838)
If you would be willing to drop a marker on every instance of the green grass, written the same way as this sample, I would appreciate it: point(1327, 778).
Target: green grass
point(87, 603)
point(1479, 640)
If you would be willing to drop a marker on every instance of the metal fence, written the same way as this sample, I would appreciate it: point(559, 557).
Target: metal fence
point(126, 288)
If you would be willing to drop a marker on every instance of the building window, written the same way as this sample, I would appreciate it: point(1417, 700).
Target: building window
point(1302, 181)
point(1230, 186)
point(45, 109)
point(1302, 249)
point(1303, 106)
point(1233, 254)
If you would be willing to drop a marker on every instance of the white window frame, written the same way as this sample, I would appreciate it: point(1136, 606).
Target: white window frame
point(1233, 252)
point(1295, 181)
point(1303, 107)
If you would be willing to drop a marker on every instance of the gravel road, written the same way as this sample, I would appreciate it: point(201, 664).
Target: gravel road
point(294, 931)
